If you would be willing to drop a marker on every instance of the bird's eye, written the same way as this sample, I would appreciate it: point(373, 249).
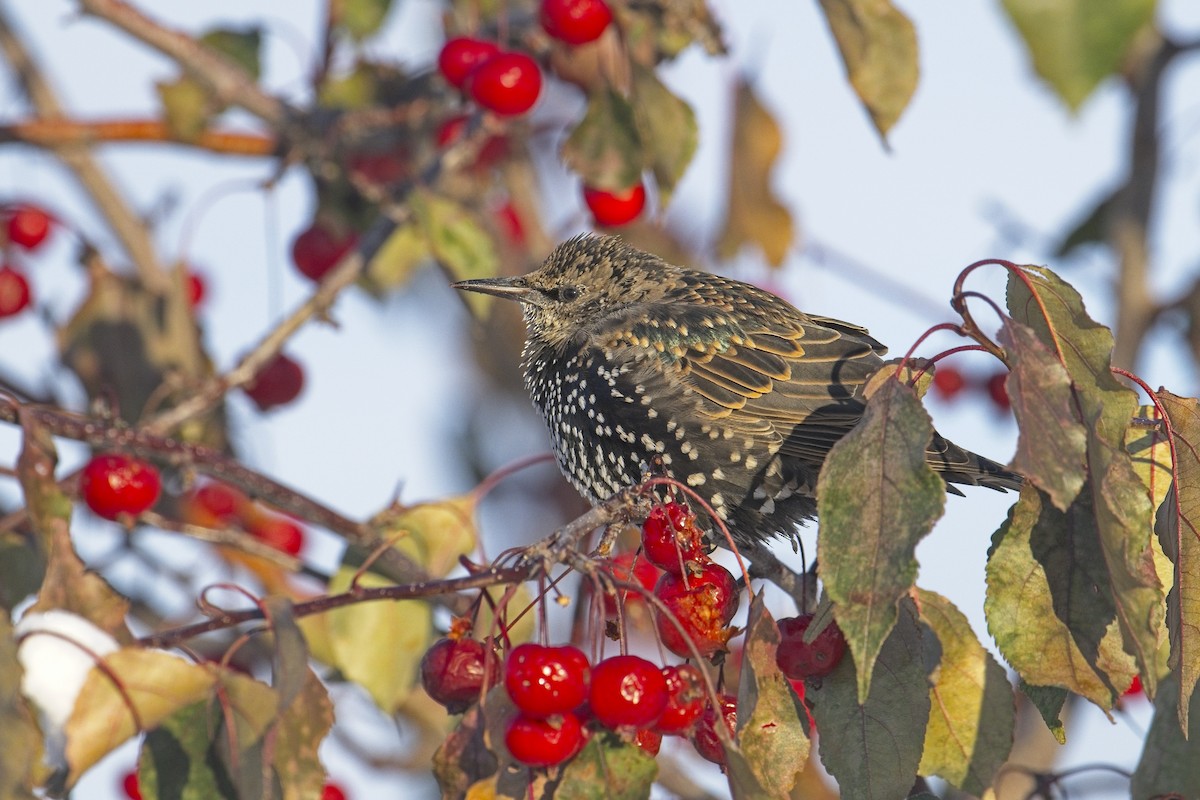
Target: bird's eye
point(568, 293)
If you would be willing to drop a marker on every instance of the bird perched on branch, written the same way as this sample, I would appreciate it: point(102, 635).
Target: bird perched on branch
point(638, 364)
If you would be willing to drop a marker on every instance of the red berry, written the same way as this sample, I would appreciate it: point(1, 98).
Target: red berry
point(708, 745)
point(998, 391)
point(318, 249)
point(627, 568)
point(650, 741)
point(703, 603)
point(381, 169)
point(546, 680)
point(948, 382)
point(816, 659)
point(462, 55)
point(278, 383)
point(544, 742)
point(194, 284)
point(615, 208)
point(214, 505)
point(14, 292)
point(685, 699)
point(453, 672)
point(670, 537)
point(28, 226)
point(510, 224)
point(575, 21)
point(1135, 688)
point(333, 792)
point(508, 84)
point(280, 533)
point(130, 785)
point(627, 691)
point(113, 484)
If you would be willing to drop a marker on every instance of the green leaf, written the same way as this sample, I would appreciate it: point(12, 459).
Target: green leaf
point(1049, 701)
point(972, 711)
point(770, 732)
point(356, 89)
point(1052, 446)
point(877, 498)
point(20, 739)
point(399, 257)
point(605, 149)
point(1075, 44)
point(874, 749)
point(667, 126)
point(362, 18)
point(1048, 603)
point(241, 46)
point(754, 214)
point(1177, 530)
point(187, 107)
point(152, 683)
point(300, 730)
point(1170, 762)
point(379, 645)
point(879, 48)
point(1116, 503)
point(456, 239)
point(607, 769)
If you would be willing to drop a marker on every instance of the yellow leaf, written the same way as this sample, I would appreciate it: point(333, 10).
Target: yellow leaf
point(755, 215)
point(153, 683)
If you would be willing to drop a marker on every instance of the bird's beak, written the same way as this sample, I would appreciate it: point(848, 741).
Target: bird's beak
point(508, 288)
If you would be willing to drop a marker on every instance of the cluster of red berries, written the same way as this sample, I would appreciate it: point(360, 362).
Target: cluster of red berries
point(949, 383)
point(505, 82)
point(701, 595)
point(26, 227)
point(560, 696)
point(216, 505)
point(278, 383)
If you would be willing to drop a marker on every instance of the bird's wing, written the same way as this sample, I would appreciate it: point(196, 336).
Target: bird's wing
point(770, 373)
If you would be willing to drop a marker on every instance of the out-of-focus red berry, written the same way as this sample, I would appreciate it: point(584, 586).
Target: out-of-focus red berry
point(998, 391)
point(15, 295)
point(278, 532)
point(948, 382)
point(278, 383)
point(462, 55)
point(626, 568)
point(333, 792)
point(507, 84)
point(613, 209)
point(28, 226)
point(575, 21)
point(318, 249)
point(129, 784)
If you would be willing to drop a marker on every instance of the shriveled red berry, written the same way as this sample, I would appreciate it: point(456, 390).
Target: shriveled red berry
point(704, 603)
point(615, 208)
point(453, 672)
point(948, 382)
point(278, 532)
point(627, 691)
point(332, 791)
point(278, 383)
point(28, 226)
point(575, 21)
point(15, 294)
point(129, 784)
point(685, 699)
point(815, 659)
point(648, 740)
point(998, 391)
point(546, 680)
point(538, 742)
point(708, 745)
point(670, 537)
point(318, 249)
point(113, 484)
point(462, 55)
point(507, 84)
point(627, 568)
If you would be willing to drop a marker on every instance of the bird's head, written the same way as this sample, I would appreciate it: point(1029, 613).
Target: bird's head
point(583, 281)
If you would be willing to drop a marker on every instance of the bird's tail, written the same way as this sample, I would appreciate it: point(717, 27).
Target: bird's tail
point(958, 465)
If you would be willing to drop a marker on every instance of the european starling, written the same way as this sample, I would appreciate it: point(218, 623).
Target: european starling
point(637, 365)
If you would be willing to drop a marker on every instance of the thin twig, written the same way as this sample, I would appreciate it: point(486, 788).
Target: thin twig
point(59, 133)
